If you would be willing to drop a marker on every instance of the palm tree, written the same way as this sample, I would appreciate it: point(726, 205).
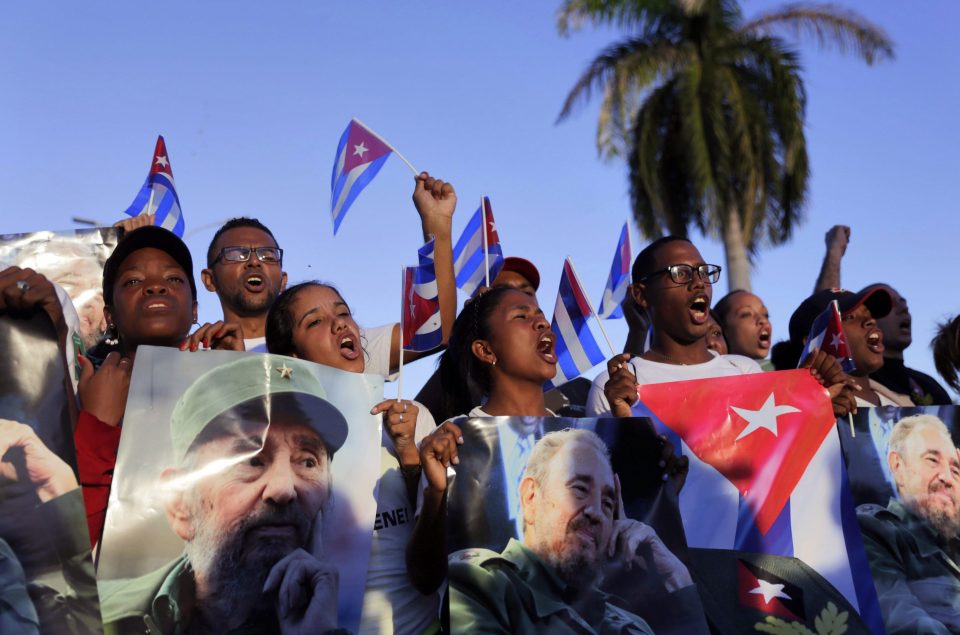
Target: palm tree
point(708, 110)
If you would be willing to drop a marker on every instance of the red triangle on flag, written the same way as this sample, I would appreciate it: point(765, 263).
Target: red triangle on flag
point(760, 431)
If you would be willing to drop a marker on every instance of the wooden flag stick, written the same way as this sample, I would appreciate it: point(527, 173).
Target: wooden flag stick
point(403, 312)
point(483, 234)
point(392, 149)
point(590, 304)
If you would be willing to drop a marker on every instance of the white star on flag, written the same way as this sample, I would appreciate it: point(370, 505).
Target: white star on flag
point(493, 228)
point(769, 591)
point(836, 340)
point(360, 150)
point(766, 417)
point(162, 161)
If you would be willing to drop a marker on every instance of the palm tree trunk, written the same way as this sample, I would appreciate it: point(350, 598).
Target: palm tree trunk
point(738, 267)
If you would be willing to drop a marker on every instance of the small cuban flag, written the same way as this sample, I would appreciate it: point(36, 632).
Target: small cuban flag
point(827, 334)
point(158, 194)
point(420, 321)
point(577, 348)
point(477, 256)
point(619, 279)
point(360, 155)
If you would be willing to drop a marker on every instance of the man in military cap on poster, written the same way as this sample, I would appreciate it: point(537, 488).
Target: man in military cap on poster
point(253, 442)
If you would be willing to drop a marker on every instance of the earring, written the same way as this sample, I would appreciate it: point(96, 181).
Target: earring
point(111, 337)
point(493, 363)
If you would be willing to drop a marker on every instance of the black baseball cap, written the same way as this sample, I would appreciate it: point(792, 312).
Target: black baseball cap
point(140, 238)
point(877, 300)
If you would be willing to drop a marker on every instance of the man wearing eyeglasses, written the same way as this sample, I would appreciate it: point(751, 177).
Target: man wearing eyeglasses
point(245, 270)
point(675, 286)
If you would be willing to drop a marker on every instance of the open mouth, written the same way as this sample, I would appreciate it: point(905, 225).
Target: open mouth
point(254, 283)
point(875, 341)
point(349, 347)
point(905, 326)
point(699, 309)
point(156, 305)
point(545, 348)
point(765, 339)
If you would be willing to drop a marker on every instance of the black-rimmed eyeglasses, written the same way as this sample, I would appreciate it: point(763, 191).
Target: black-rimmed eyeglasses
point(269, 255)
point(683, 274)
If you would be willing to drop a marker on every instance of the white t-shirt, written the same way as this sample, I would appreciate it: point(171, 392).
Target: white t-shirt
point(255, 344)
point(657, 373)
point(390, 602)
point(376, 344)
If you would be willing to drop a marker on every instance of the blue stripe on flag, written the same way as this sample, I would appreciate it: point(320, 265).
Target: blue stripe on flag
point(778, 540)
point(369, 171)
point(338, 157)
point(867, 601)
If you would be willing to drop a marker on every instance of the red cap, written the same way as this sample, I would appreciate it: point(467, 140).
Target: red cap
point(523, 267)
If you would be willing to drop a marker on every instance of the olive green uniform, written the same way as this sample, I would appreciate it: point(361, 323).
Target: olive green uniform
point(514, 592)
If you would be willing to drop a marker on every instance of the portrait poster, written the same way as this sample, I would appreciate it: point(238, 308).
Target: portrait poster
point(904, 471)
point(71, 259)
point(46, 571)
point(485, 520)
point(772, 534)
point(204, 480)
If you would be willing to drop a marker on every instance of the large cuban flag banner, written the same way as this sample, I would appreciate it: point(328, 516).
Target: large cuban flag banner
point(766, 477)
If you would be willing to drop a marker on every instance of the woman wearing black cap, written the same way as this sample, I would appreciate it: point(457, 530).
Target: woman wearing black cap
point(150, 297)
point(859, 313)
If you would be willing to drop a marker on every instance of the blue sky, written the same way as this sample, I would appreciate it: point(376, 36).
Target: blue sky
point(252, 97)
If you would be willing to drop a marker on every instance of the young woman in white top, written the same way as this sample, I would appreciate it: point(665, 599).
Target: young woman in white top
point(312, 321)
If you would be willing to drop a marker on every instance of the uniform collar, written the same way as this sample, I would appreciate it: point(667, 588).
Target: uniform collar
point(550, 594)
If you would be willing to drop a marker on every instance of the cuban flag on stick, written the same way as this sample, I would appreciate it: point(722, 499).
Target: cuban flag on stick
point(477, 256)
point(826, 334)
point(360, 155)
point(158, 194)
point(577, 348)
point(766, 475)
point(420, 323)
point(619, 279)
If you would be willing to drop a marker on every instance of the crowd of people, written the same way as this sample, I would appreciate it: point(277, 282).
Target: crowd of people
point(499, 352)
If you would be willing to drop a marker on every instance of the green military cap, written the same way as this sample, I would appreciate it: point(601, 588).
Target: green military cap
point(275, 384)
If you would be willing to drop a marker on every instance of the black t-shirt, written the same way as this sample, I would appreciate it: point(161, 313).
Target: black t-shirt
point(921, 388)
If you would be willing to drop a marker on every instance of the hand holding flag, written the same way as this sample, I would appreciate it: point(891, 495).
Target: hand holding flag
point(827, 334)
point(158, 195)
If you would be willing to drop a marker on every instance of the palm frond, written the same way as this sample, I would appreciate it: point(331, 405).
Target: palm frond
point(647, 61)
point(830, 26)
point(574, 14)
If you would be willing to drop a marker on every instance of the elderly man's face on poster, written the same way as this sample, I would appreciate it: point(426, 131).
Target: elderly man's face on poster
point(259, 496)
point(569, 517)
point(927, 474)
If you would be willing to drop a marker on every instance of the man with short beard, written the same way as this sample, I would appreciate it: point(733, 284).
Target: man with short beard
point(253, 443)
point(913, 543)
point(574, 531)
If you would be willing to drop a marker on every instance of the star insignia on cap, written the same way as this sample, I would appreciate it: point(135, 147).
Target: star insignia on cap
point(285, 371)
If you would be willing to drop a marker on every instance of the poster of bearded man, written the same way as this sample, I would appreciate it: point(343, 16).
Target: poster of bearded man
point(243, 498)
point(904, 469)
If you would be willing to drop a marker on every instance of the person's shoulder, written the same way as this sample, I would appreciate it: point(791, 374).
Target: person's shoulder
point(479, 569)
point(877, 520)
point(131, 597)
point(744, 364)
